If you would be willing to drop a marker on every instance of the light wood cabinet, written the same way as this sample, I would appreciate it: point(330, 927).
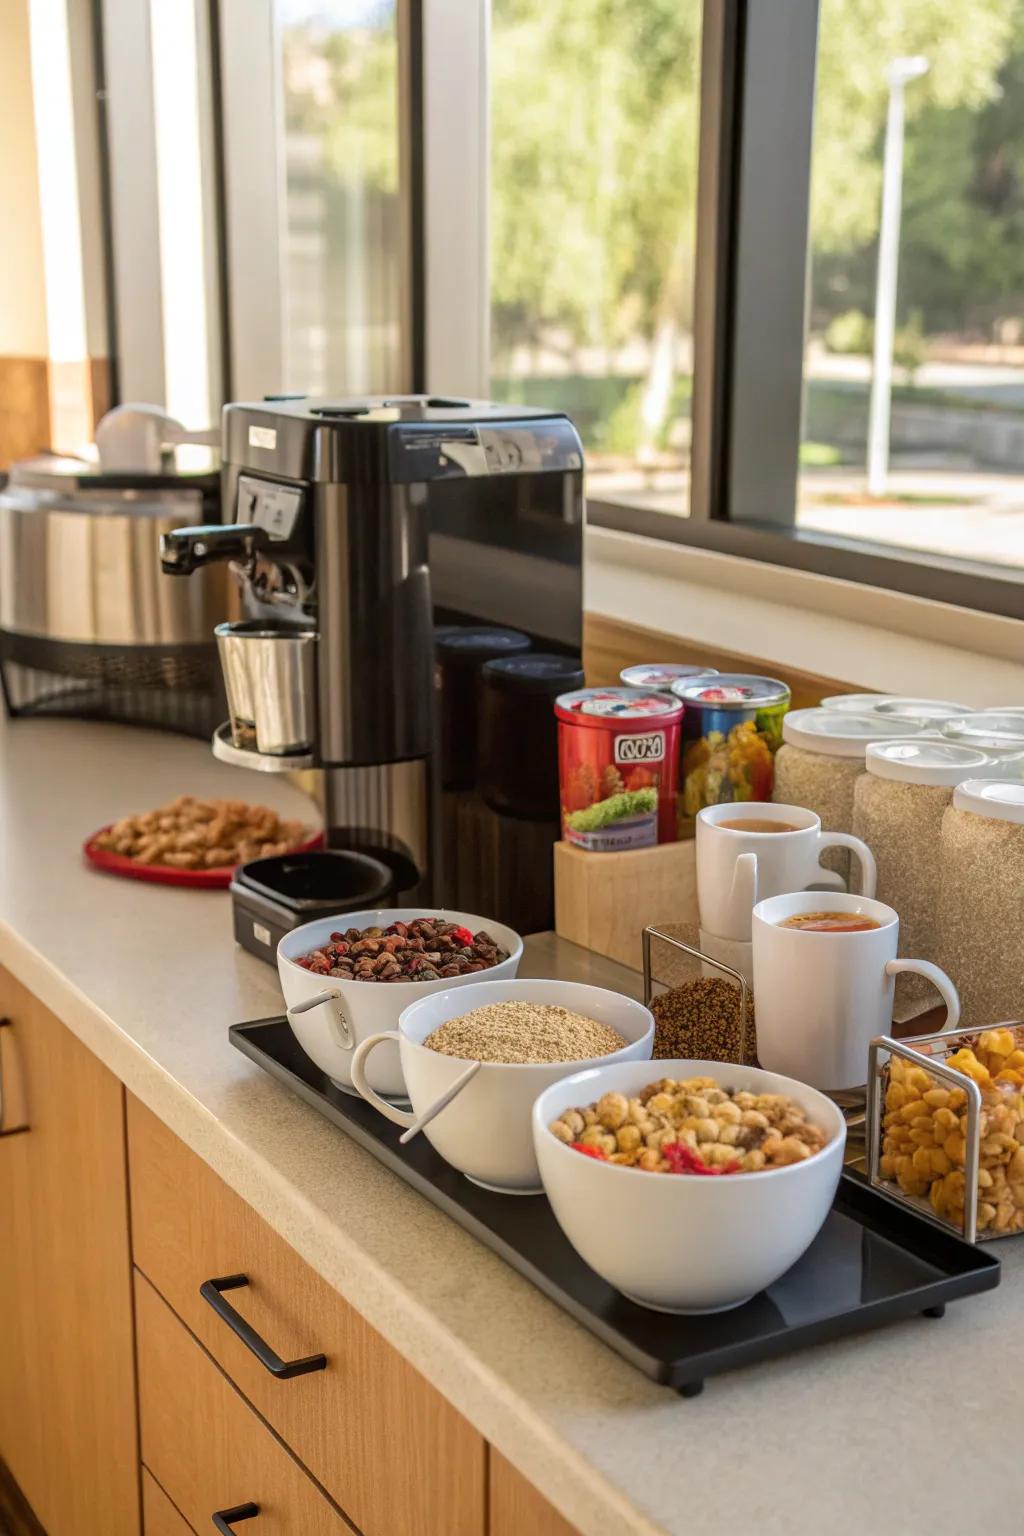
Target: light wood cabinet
point(206, 1447)
point(67, 1401)
point(85, 1364)
point(517, 1509)
point(159, 1516)
point(389, 1448)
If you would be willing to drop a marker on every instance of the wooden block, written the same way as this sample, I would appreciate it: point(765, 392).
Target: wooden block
point(603, 901)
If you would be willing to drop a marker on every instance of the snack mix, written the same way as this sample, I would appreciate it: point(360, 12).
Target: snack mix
point(924, 1133)
point(693, 1126)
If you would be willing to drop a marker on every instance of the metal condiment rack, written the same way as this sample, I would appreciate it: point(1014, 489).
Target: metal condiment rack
point(910, 1050)
point(653, 932)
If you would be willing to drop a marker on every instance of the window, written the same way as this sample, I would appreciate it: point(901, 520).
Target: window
point(341, 220)
point(913, 430)
point(594, 108)
point(766, 253)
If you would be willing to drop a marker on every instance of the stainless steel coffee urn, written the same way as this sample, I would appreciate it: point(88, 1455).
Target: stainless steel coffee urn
point(356, 527)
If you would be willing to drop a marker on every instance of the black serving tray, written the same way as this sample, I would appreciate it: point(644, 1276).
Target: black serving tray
point(873, 1261)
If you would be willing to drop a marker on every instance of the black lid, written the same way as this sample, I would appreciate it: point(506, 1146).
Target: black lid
point(469, 645)
point(539, 672)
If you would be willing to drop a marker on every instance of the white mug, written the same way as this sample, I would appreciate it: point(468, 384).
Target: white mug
point(821, 998)
point(736, 869)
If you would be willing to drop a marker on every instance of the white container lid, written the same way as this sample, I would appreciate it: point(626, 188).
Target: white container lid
point(991, 797)
point(921, 712)
point(854, 703)
point(835, 733)
point(987, 729)
point(1004, 709)
point(925, 761)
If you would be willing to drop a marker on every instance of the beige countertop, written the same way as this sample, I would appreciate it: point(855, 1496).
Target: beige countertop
point(906, 1430)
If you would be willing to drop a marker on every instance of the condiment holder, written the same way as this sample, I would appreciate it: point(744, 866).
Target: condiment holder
point(704, 965)
point(974, 1176)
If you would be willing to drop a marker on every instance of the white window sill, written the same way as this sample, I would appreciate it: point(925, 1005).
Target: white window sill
point(859, 635)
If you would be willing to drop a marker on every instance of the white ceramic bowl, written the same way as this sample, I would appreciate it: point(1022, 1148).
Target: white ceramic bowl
point(681, 1243)
point(485, 1132)
point(352, 1010)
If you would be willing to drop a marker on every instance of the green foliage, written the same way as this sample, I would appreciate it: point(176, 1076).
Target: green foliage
point(340, 86)
point(909, 346)
point(819, 456)
point(594, 151)
point(850, 333)
point(962, 235)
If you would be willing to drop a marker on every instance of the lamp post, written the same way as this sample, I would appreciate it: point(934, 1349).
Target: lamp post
point(900, 72)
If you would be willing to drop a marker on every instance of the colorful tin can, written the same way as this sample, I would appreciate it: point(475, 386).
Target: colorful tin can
point(618, 761)
point(732, 730)
point(661, 676)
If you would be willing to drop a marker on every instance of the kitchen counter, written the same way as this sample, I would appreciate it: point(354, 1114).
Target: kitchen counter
point(897, 1431)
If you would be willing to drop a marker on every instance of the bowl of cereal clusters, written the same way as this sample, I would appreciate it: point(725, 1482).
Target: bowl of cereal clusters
point(692, 1191)
point(348, 977)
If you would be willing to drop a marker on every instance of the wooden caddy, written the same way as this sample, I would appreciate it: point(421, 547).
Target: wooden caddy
point(603, 901)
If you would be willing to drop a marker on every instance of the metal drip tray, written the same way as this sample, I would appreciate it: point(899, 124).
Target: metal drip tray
point(263, 762)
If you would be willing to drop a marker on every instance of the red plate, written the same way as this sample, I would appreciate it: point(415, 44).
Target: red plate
point(163, 874)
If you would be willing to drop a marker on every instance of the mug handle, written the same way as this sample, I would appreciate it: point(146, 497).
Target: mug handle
point(938, 978)
point(341, 1029)
point(868, 867)
point(402, 1117)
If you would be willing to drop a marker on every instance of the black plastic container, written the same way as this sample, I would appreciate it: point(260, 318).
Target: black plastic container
point(519, 731)
point(272, 896)
point(460, 651)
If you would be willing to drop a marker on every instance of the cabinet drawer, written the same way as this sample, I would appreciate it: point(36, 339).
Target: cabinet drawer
point(389, 1448)
point(516, 1508)
point(159, 1516)
point(203, 1443)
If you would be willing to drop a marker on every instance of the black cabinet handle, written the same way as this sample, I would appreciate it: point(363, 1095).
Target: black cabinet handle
point(224, 1519)
point(284, 1370)
point(14, 1130)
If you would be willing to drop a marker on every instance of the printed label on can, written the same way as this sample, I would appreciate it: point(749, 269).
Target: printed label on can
point(648, 747)
point(638, 832)
point(262, 437)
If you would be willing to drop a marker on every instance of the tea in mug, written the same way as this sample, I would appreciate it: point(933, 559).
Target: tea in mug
point(830, 922)
point(757, 824)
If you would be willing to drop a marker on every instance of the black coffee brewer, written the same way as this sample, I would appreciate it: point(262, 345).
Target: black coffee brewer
point(372, 522)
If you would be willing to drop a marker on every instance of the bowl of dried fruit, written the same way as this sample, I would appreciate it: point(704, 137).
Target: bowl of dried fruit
point(348, 977)
point(693, 1190)
point(475, 1060)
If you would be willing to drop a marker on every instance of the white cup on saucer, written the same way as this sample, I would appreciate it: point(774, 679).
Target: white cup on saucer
point(821, 998)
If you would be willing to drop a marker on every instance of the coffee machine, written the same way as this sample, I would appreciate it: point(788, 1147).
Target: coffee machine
point(364, 524)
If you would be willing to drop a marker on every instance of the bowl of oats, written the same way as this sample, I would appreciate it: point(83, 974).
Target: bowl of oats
point(485, 1052)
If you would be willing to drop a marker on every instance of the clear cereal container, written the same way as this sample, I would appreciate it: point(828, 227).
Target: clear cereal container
point(820, 761)
point(981, 897)
point(898, 804)
point(945, 1127)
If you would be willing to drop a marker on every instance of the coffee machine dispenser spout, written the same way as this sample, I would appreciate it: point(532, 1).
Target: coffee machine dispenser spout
point(184, 550)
